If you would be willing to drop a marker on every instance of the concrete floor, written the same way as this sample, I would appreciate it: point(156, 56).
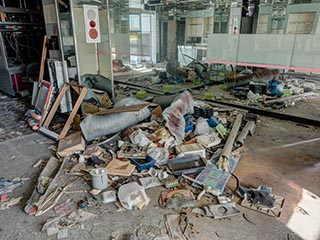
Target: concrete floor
point(281, 154)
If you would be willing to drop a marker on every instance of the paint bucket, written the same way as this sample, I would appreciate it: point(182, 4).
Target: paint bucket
point(99, 178)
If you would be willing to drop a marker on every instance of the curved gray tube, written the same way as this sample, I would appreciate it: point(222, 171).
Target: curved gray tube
point(248, 128)
point(94, 126)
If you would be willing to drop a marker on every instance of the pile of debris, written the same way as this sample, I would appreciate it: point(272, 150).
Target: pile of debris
point(265, 88)
point(190, 150)
point(6, 187)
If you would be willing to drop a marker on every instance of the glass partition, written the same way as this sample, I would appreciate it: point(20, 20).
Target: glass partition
point(93, 56)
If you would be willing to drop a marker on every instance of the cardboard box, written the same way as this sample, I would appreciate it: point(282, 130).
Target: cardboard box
point(71, 144)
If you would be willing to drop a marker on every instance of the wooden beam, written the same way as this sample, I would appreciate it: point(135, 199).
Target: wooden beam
point(73, 113)
point(55, 106)
point(43, 59)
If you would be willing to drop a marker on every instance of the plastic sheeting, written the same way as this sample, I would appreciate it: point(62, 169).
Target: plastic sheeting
point(94, 126)
point(182, 105)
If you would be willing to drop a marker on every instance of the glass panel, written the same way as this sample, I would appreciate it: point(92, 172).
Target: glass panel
point(306, 52)
point(223, 48)
point(120, 46)
point(266, 49)
point(93, 58)
point(86, 52)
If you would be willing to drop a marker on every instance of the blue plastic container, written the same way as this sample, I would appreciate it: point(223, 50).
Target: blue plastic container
point(142, 164)
point(213, 122)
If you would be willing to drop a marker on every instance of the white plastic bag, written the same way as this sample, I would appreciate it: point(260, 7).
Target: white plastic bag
point(133, 196)
point(202, 126)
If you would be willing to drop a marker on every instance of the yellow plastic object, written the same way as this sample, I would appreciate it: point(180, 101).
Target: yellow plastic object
point(168, 87)
point(196, 82)
point(141, 94)
point(208, 95)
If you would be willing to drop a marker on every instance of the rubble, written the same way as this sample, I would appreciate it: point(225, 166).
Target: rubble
point(9, 203)
point(266, 89)
point(189, 151)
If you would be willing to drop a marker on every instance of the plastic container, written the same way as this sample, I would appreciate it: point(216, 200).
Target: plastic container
point(99, 178)
point(213, 122)
point(142, 164)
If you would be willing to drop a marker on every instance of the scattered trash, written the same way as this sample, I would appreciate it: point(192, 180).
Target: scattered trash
point(56, 224)
point(132, 196)
point(150, 182)
point(143, 164)
point(88, 201)
point(7, 186)
point(202, 126)
point(120, 168)
point(187, 148)
point(62, 234)
point(182, 105)
point(187, 164)
point(191, 149)
point(209, 139)
point(262, 200)
point(94, 126)
point(62, 206)
point(71, 144)
point(178, 227)
point(129, 150)
point(99, 178)
point(109, 196)
point(179, 198)
point(222, 210)
point(159, 155)
point(9, 203)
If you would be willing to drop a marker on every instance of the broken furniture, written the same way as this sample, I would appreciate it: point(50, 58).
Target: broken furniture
point(71, 144)
point(44, 129)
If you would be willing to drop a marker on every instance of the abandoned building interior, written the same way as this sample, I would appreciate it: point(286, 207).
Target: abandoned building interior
point(160, 119)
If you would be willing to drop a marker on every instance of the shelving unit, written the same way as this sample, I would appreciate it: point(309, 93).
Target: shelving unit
point(21, 37)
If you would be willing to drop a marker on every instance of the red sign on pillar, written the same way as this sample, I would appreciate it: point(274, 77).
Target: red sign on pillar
point(91, 23)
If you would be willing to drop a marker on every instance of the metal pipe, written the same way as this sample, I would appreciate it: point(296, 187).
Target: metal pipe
point(109, 41)
point(248, 128)
point(293, 97)
point(226, 151)
point(272, 114)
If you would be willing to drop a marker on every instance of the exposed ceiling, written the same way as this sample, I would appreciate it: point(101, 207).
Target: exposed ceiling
point(161, 5)
point(185, 5)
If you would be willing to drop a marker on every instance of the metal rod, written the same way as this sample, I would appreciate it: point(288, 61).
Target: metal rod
point(97, 57)
point(109, 41)
point(267, 113)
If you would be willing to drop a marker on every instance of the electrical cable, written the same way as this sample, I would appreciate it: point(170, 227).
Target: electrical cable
point(238, 183)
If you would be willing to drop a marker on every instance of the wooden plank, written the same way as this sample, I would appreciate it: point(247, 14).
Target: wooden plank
point(55, 106)
point(3, 17)
point(43, 59)
point(76, 89)
point(73, 113)
point(134, 108)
